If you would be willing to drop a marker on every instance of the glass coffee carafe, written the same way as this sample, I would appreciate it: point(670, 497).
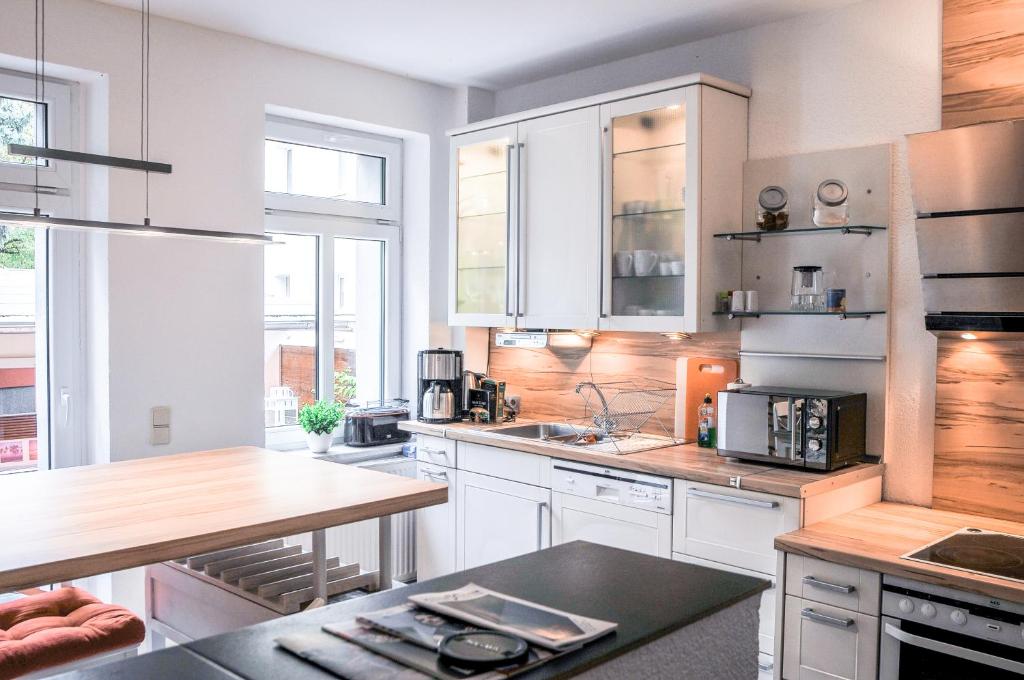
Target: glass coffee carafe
point(807, 289)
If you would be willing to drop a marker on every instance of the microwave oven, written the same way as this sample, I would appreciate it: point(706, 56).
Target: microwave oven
point(809, 428)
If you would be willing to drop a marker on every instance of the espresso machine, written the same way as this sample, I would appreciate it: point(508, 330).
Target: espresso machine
point(439, 385)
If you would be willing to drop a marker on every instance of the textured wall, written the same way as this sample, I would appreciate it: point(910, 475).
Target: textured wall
point(864, 74)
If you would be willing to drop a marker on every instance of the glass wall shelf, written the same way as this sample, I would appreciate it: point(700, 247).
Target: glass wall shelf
point(803, 231)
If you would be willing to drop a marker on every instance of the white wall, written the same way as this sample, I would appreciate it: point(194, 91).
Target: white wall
point(864, 74)
point(184, 319)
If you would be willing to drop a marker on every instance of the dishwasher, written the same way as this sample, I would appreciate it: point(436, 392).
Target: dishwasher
point(619, 508)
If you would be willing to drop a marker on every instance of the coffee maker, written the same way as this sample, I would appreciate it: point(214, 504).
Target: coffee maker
point(439, 385)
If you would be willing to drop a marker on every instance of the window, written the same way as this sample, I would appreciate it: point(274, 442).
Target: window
point(317, 169)
point(39, 283)
point(330, 280)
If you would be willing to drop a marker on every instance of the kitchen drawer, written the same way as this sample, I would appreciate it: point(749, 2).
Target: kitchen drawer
point(766, 613)
point(436, 450)
point(527, 468)
point(822, 641)
point(731, 526)
point(834, 584)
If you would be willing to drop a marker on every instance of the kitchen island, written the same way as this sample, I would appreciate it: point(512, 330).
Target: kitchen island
point(675, 621)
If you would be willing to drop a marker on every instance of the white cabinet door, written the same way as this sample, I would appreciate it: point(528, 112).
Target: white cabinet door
point(823, 642)
point(498, 519)
point(559, 220)
point(435, 526)
point(584, 519)
point(482, 214)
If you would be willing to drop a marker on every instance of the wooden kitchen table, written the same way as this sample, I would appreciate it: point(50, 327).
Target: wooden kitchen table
point(60, 525)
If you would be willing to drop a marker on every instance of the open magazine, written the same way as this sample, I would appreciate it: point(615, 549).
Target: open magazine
point(543, 626)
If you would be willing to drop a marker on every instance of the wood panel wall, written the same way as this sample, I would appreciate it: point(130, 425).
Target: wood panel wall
point(982, 61)
point(979, 428)
point(547, 378)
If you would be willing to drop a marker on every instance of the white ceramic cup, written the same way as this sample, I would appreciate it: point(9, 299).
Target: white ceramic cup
point(623, 261)
point(645, 262)
point(676, 267)
point(738, 301)
point(750, 301)
point(664, 268)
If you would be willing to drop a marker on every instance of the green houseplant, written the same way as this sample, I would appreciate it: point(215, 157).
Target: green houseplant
point(319, 421)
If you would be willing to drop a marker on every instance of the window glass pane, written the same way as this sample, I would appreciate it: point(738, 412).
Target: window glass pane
point(21, 122)
point(289, 322)
point(323, 173)
point(18, 421)
point(358, 320)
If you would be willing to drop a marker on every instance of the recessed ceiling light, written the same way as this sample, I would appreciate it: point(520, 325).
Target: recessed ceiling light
point(968, 336)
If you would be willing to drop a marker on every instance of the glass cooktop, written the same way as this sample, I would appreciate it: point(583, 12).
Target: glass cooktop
point(983, 552)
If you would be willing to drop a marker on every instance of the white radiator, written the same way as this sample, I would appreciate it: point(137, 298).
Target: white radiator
point(358, 542)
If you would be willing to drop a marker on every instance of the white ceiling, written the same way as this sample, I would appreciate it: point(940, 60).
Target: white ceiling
point(488, 43)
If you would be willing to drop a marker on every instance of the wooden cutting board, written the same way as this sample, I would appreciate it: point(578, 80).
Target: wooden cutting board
point(695, 377)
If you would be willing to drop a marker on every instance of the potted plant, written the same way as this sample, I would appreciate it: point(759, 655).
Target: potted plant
point(319, 421)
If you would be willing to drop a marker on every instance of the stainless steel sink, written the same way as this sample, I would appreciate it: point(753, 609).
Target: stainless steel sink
point(550, 432)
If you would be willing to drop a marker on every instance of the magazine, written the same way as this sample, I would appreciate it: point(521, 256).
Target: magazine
point(345, 659)
point(415, 624)
point(544, 626)
point(422, 659)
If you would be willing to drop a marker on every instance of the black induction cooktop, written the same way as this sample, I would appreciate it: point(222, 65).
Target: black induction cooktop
point(983, 552)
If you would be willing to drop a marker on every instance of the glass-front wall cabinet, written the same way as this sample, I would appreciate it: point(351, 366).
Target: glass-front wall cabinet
point(483, 177)
point(645, 207)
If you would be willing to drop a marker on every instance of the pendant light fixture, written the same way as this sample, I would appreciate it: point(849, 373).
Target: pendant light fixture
point(38, 220)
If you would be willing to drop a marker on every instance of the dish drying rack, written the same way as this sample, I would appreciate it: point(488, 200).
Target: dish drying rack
point(624, 416)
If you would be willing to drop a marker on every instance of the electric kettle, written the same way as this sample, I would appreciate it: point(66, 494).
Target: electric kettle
point(438, 402)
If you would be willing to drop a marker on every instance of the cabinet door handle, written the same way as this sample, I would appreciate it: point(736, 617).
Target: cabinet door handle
point(508, 228)
point(440, 477)
point(833, 621)
point(434, 452)
point(825, 585)
point(540, 524)
point(521, 215)
point(739, 500)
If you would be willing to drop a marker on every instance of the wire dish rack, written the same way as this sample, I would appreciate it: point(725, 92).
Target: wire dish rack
point(624, 417)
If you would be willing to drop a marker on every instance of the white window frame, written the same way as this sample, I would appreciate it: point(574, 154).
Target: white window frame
point(60, 311)
point(326, 137)
point(328, 219)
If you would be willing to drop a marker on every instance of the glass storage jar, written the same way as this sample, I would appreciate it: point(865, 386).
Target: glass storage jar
point(808, 294)
point(772, 213)
point(831, 205)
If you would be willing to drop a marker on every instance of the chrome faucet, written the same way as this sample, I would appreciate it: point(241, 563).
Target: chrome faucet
point(602, 420)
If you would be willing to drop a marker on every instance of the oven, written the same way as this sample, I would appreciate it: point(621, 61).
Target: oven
point(932, 632)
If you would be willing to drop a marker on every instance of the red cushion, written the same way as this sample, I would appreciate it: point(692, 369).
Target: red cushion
point(53, 628)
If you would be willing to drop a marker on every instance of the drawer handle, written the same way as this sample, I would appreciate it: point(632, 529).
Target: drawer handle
point(434, 452)
point(765, 667)
point(833, 621)
point(739, 500)
point(436, 476)
point(825, 585)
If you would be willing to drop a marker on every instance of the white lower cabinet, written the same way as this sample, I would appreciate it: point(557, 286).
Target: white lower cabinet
point(435, 526)
point(499, 518)
point(826, 642)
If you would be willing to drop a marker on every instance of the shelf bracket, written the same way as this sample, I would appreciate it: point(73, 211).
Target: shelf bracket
point(744, 237)
point(857, 230)
point(844, 316)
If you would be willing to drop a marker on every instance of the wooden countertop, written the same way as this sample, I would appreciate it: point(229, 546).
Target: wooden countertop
point(58, 525)
point(686, 461)
point(874, 537)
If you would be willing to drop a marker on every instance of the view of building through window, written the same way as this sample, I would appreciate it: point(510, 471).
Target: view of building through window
point(18, 423)
point(291, 285)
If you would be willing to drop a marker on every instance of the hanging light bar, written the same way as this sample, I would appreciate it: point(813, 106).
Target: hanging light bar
point(44, 221)
point(91, 158)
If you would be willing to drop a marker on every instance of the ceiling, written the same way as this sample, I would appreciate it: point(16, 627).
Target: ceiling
point(487, 43)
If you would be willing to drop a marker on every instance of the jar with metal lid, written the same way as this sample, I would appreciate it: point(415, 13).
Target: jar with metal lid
point(772, 213)
point(831, 204)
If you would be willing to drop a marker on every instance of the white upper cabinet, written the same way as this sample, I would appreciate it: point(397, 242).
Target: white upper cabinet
point(559, 221)
point(600, 213)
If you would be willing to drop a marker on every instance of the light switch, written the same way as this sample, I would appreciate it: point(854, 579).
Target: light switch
point(161, 421)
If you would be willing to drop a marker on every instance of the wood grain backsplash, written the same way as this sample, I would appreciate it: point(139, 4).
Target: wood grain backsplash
point(982, 61)
point(546, 378)
point(979, 428)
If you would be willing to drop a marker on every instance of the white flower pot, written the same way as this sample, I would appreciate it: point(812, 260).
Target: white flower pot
point(319, 443)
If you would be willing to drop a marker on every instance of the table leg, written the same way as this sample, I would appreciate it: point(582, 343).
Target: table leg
point(319, 569)
point(384, 548)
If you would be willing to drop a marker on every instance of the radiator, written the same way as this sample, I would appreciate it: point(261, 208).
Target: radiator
point(358, 542)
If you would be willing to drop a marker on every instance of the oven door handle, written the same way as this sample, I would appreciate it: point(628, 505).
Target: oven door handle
point(953, 650)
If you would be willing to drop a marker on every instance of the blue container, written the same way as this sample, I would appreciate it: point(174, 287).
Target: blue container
point(835, 299)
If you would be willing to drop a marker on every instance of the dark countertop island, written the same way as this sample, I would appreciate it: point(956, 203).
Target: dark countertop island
point(676, 620)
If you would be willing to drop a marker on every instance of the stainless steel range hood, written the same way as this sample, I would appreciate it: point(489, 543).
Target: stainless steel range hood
point(968, 189)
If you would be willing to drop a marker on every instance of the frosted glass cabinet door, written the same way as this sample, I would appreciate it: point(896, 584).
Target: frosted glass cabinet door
point(482, 212)
point(646, 156)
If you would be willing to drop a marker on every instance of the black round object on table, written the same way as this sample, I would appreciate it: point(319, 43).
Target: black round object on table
point(483, 649)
